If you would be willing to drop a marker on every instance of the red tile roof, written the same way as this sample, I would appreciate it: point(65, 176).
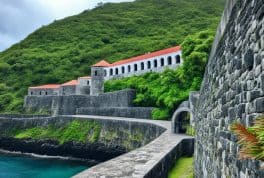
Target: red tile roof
point(48, 86)
point(101, 63)
point(70, 83)
point(147, 56)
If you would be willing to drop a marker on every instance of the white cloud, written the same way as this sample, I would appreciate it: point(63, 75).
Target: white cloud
point(18, 18)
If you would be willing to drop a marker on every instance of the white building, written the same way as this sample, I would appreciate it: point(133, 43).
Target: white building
point(156, 61)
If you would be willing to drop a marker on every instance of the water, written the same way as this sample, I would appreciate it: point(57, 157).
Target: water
point(19, 166)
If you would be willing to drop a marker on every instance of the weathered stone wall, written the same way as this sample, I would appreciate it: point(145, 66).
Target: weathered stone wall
point(67, 105)
point(116, 137)
point(232, 90)
point(130, 112)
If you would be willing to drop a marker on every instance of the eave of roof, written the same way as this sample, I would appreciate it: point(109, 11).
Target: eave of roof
point(147, 56)
point(70, 83)
point(101, 63)
point(48, 86)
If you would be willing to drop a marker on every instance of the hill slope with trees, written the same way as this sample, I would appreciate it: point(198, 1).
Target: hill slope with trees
point(65, 49)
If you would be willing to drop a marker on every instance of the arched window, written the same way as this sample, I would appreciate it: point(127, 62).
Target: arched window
point(116, 71)
point(95, 73)
point(40, 93)
point(135, 67)
point(46, 93)
point(149, 64)
point(88, 82)
point(162, 62)
point(142, 65)
point(169, 60)
point(111, 72)
point(123, 69)
point(155, 63)
point(129, 68)
point(31, 93)
point(105, 73)
point(178, 59)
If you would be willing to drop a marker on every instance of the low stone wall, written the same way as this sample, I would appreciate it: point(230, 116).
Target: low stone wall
point(153, 160)
point(116, 137)
point(67, 105)
point(130, 112)
point(23, 115)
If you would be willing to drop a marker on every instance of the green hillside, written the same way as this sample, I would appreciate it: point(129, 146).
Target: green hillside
point(66, 48)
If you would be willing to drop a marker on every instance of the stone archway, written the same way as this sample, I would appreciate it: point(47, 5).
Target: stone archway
point(179, 121)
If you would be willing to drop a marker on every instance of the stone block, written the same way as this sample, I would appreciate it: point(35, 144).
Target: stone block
point(259, 105)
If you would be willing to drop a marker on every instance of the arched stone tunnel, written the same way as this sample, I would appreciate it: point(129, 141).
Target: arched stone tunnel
point(183, 116)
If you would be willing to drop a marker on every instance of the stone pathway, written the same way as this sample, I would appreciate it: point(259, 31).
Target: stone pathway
point(139, 162)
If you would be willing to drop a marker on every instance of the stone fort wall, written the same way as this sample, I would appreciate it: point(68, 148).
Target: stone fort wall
point(232, 91)
point(119, 104)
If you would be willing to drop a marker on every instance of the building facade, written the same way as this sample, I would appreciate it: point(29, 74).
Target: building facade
point(157, 61)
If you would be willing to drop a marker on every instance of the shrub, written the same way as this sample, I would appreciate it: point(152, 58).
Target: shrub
point(251, 139)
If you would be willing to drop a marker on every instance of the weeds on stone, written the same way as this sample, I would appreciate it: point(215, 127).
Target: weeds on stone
point(251, 139)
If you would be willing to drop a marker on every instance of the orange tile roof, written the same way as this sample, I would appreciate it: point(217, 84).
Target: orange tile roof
point(147, 56)
point(85, 77)
point(101, 63)
point(70, 83)
point(48, 86)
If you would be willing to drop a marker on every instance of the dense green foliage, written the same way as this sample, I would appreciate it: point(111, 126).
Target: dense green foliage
point(66, 48)
point(79, 131)
point(251, 139)
point(183, 168)
point(168, 89)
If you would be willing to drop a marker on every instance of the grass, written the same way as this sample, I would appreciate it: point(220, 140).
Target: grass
point(183, 168)
point(80, 131)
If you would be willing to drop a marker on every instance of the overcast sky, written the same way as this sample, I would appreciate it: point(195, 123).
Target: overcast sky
point(18, 18)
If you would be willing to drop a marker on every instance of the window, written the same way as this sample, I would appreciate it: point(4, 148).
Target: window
point(95, 73)
point(135, 67)
point(105, 73)
point(111, 72)
point(178, 59)
point(116, 71)
point(40, 93)
point(129, 68)
point(88, 82)
point(142, 65)
point(155, 63)
point(149, 65)
point(123, 69)
point(162, 62)
point(46, 93)
point(169, 60)
point(31, 93)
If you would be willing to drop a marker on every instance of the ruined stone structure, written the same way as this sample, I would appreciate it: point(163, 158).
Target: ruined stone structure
point(232, 91)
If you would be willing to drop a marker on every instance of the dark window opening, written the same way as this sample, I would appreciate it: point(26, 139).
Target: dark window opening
point(46, 93)
point(155, 63)
point(105, 73)
point(142, 65)
point(95, 73)
point(178, 59)
point(162, 62)
point(129, 68)
point(116, 71)
point(31, 93)
point(135, 67)
point(149, 65)
point(88, 82)
point(40, 93)
point(169, 60)
point(111, 72)
point(123, 70)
